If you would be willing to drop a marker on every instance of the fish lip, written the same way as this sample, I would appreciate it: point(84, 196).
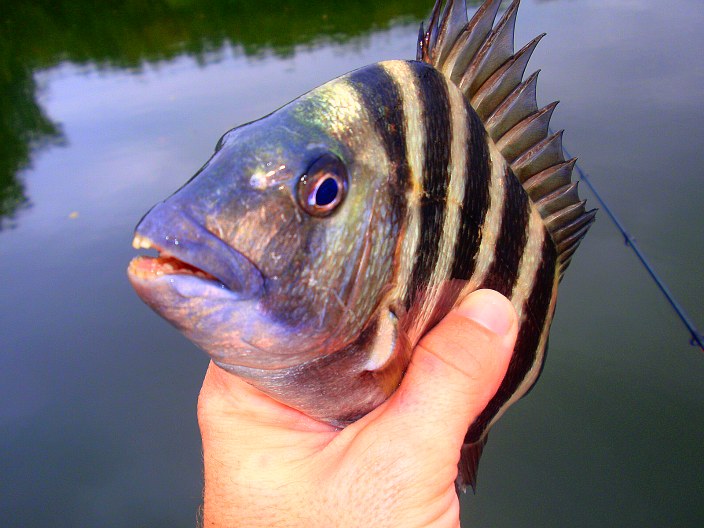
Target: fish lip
point(176, 235)
point(142, 242)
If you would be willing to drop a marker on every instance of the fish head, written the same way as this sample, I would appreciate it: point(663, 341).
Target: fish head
point(281, 248)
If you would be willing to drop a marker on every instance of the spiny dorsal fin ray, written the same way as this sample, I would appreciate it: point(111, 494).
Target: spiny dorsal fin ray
point(539, 157)
point(570, 235)
point(493, 53)
point(479, 58)
point(456, 55)
point(519, 104)
point(565, 216)
point(558, 200)
point(454, 20)
point(490, 95)
point(548, 180)
point(526, 133)
point(470, 40)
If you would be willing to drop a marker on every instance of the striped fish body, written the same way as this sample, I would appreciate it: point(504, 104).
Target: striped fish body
point(319, 244)
point(467, 223)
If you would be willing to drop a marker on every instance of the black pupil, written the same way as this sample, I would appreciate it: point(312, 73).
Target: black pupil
point(327, 192)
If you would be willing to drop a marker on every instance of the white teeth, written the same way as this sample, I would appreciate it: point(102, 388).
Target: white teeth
point(140, 242)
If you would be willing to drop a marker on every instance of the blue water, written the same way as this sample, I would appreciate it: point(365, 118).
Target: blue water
point(98, 394)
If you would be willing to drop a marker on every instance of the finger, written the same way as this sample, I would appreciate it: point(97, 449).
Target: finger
point(225, 393)
point(456, 369)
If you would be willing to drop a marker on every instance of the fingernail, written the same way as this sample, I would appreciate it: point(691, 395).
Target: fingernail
point(489, 309)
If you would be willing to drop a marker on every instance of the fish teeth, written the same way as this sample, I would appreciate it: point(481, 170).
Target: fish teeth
point(140, 242)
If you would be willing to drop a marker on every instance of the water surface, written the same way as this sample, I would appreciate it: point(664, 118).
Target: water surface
point(105, 111)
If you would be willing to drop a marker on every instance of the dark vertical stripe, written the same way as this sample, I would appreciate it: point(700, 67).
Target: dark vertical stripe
point(437, 124)
point(475, 204)
point(524, 354)
point(476, 201)
point(511, 242)
point(383, 101)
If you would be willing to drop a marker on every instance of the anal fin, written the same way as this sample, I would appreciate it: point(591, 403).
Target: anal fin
point(469, 464)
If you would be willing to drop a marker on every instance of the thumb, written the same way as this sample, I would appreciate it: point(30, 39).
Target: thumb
point(457, 368)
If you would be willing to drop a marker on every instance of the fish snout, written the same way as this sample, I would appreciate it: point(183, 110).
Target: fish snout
point(186, 246)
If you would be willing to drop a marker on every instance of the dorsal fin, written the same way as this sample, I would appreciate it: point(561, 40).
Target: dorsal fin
point(479, 57)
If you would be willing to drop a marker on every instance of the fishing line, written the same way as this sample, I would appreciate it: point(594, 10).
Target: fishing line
point(696, 337)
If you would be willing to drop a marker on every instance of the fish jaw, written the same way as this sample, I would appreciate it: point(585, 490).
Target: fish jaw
point(205, 288)
point(207, 312)
point(232, 329)
point(186, 245)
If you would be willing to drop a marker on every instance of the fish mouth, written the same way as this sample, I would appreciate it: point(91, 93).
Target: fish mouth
point(245, 282)
point(190, 252)
point(145, 267)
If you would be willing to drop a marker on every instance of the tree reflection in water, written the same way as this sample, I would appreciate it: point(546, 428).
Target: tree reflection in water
point(127, 35)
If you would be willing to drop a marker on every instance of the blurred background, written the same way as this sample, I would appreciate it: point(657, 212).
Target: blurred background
point(106, 108)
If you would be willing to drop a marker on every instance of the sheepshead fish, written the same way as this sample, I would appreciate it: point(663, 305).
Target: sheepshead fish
point(320, 243)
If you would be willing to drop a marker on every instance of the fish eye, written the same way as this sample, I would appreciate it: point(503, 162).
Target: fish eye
point(323, 186)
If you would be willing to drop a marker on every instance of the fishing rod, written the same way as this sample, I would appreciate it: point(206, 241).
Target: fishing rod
point(696, 337)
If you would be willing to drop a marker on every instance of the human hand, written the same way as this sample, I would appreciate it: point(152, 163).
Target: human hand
point(266, 464)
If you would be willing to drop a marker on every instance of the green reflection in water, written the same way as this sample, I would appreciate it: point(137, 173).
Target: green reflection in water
point(128, 34)
point(24, 127)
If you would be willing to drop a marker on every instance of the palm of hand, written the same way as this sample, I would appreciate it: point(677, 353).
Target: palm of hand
point(269, 465)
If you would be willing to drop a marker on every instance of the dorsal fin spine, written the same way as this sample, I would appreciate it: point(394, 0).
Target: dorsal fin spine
point(454, 20)
point(503, 81)
point(495, 51)
point(564, 216)
point(573, 233)
point(525, 133)
point(468, 42)
point(558, 199)
point(433, 28)
point(479, 58)
point(550, 179)
point(518, 105)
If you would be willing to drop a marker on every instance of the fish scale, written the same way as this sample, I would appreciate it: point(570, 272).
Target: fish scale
point(446, 180)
